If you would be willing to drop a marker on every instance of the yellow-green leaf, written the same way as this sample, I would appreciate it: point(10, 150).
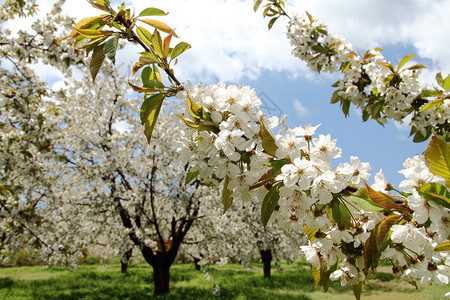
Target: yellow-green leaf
point(404, 61)
point(151, 11)
point(189, 123)
point(310, 232)
point(436, 193)
point(179, 48)
point(432, 104)
point(140, 89)
point(268, 142)
point(144, 35)
point(157, 43)
point(316, 276)
point(86, 23)
point(387, 66)
point(443, 247)
point(437, 156)
point(193, 108)
point(100, 4)
point(93, 34)
point(158, 25)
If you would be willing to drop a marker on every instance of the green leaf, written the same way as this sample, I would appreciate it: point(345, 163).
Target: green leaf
point(144, 35)
point(341, 214)
point(404, 61)
point(345, 66)
point(179, 48)
point(227, 195)
point(428, 93)
point(191, 175)
point(149, 79)
point(365, 115)
point(270, 203)
point(436, 193)
point(111, 47)
point(335, 98)
point(437, 157)
point(346, 107)
point(366, 205)
point(357, 289)
point(443, 247)
point(96, 61)
point(268, 142)
point(276, 166)
point(149, 113)
point(318, 48)
point(419, 137)
point(151, 11)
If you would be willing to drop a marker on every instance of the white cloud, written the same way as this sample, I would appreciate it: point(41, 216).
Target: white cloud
point(229, 41)
point(300, 109)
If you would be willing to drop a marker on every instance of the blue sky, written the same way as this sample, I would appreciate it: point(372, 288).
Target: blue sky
point(231, 43)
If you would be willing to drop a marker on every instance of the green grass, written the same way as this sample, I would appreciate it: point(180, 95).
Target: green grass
point(236, 282)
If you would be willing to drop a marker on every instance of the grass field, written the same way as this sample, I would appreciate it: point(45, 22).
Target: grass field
point(235, 281)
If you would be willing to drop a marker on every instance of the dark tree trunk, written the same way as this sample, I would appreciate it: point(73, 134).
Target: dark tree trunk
point(196, 261)
point(125, 260)
point(161, 276)
point(266, 256)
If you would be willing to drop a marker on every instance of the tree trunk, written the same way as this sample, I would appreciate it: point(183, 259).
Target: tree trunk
point(197, 266)
point(266, 256)
point(125, 260)
point(161, 276)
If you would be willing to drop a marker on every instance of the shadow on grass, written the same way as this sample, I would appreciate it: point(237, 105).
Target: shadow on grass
point(97, 282)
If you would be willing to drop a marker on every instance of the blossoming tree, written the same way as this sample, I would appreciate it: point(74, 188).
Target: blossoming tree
point(26, 143)
point(229, 142)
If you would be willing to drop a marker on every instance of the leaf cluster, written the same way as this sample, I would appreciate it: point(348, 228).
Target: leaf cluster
point(273, 9)
point(91, 35)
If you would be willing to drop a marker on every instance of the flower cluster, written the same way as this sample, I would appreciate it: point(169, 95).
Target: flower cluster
point(229, 141)
point(229, 138)
point(307, 34)
point(370, 83)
